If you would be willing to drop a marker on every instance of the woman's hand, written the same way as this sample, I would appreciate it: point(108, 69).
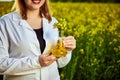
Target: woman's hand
point(69, 42)
point(46, 59)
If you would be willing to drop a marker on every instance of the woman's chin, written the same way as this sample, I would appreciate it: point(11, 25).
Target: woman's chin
point(36, 8)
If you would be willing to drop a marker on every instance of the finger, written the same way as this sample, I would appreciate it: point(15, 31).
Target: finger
point(49, 63)
point(47, 54)
point(46, 60)
point(69, 42)
point(70, 46)
point(67, 38)
point(51, 58)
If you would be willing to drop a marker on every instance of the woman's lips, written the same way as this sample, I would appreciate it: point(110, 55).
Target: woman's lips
point(36, 1)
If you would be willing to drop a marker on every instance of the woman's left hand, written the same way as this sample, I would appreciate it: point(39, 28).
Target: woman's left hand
point(69, 42)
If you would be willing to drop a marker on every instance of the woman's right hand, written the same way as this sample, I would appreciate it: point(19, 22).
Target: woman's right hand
point(46, 59)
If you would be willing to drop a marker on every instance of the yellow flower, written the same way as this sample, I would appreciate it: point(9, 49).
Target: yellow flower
point(116, 49)
point(110, 43)
point(82, 51)
point(62, 75)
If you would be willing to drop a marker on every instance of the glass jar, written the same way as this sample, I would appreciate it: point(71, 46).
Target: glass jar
point(59, 50)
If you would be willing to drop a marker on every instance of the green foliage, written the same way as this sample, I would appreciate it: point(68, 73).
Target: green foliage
point(96, 27)
point(5, 7)
point(115, 1)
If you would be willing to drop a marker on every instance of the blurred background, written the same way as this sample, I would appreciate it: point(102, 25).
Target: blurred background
point(115, 1)
point(96, 26)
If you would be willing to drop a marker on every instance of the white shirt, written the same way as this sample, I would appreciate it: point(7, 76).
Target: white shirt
point(19, 50)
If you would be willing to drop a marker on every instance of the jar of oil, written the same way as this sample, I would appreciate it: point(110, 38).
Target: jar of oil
point(59, 50)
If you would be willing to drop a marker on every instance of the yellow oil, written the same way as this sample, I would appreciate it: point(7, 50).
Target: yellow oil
point(59, 50)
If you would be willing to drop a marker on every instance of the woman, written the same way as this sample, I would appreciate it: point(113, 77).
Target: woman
point(24, 41)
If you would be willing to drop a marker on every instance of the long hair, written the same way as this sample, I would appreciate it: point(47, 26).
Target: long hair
point(21, 7)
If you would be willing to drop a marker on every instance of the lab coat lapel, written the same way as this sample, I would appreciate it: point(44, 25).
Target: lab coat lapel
point(23, 23)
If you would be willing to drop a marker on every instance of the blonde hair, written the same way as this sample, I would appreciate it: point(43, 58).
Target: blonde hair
point(44, 9)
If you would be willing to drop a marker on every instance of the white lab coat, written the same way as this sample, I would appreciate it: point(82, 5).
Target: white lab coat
point(20, 49)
